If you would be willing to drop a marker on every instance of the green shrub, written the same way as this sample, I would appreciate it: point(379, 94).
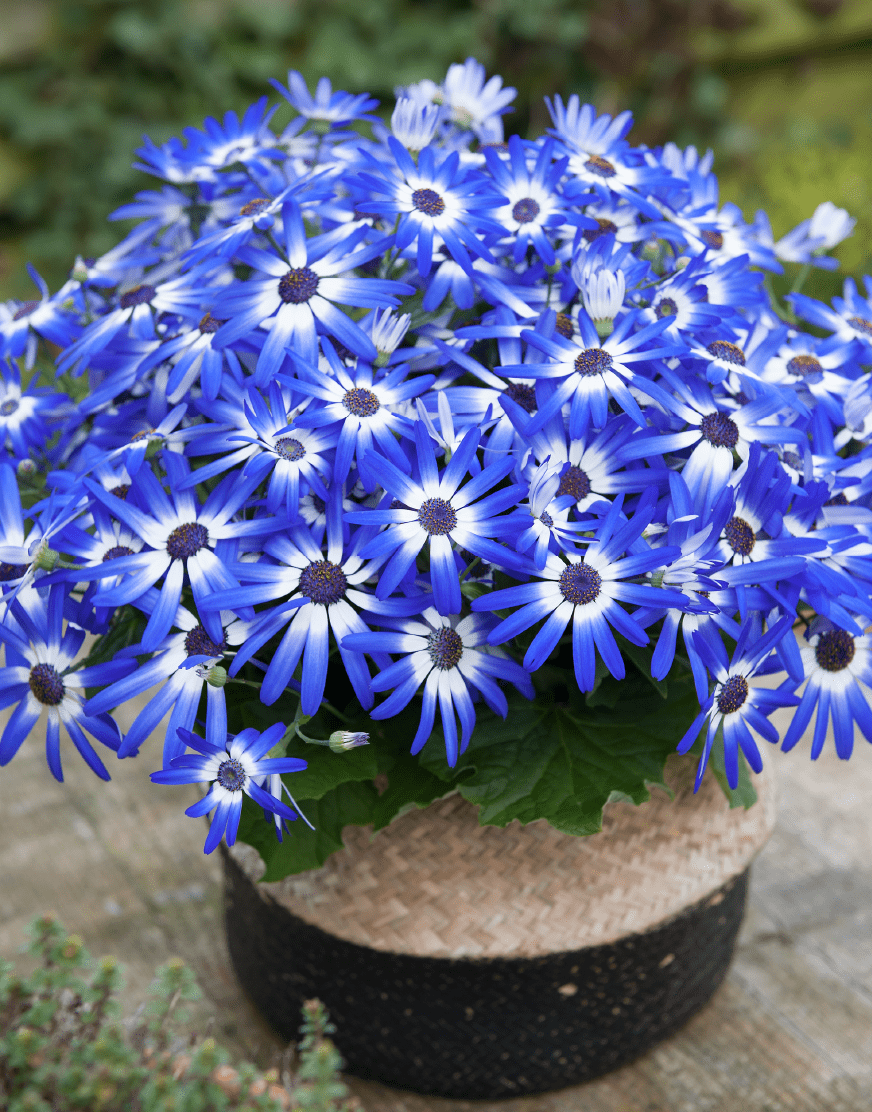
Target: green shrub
point(62, 1046)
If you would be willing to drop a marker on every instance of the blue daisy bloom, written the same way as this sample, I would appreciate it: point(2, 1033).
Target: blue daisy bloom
point(325, 107)
point(838, 667)
point(435, 510)
point(262, 435)
point(449, 656)
point(40, 676)
point(683, 297)
point(300, 291)
point(28, 415)
point(437, 202)
point(588, 370)
point(49, 317)
point(849, 319)
point(134, 312)
point(364, 407)
point(550, 528)
point(182, 666)
point(534, 202)
point(193, 357)
point(599, 155)
point(181, 536)
point(233, 769)
point(473, 100)
point(326, 593)
point(586, 591)
point(807, 242)
point(734, 708)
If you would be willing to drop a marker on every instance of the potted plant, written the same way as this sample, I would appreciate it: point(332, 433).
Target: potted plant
point(413, 471)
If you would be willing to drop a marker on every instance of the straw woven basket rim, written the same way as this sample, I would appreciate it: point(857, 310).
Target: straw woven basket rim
point(437, 884)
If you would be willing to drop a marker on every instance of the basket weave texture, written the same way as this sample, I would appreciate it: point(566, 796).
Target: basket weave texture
point(435, 883)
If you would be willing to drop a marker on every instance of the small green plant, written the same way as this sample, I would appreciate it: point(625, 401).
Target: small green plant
point(63, 1047)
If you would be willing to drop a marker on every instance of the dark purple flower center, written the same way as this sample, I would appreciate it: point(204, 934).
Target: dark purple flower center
point(835, 650)
point(437, 517)
point(46, 684)
point(319, 503)
point(117, 552)
point(231, 775)
point(298, 285)
point(860, 324)
point(546, 519)
point(445, 648)
point(139, 295)
point(712, 239)
point(428, 201)
point(525, 210)
point(575, 482)
point(9, 407)
point(740, 536)
point(25, 310)
point(361, 402)
point(199, 643)
point(666, 307)
point(564, 326)
point(323, 582)
point(792, 460)
point(255, 207)
point(802, 365)
point(11, 571)
point(187, 540)
point(289, 448)
point(732, 695)
point(580, 584)
point(604, 227)
point(840, 499)
point(209, 324)
point(593, 361)
point(729, 353)
point(720, 430)
point(522, 395)
point(121, 491)
point(600, 166)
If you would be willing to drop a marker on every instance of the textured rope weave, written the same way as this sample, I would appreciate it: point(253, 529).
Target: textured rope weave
point(435, 883)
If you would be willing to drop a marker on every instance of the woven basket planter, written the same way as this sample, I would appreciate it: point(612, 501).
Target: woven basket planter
point(469, 961)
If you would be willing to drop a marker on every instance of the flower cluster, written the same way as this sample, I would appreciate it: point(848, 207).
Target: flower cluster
point(399, 409)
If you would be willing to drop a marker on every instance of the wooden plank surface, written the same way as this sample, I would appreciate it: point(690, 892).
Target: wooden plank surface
point(789, 1031)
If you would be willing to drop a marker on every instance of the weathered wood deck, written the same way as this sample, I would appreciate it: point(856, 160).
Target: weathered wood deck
point(789, 1031)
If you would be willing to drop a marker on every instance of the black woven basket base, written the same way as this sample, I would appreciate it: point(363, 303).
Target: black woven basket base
point(482, 1028)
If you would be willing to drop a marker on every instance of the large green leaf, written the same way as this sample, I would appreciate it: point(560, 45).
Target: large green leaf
point(563, 764)
point(348, 804)
point(409, 785)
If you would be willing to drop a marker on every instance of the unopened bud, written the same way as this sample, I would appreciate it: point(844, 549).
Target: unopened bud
point(604, 327)
point(216, 676)
point(46, 558)
point(26, 467)
point(553, 268)
point(342, 740)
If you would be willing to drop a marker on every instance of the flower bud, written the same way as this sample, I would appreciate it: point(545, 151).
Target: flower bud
point(342, 740)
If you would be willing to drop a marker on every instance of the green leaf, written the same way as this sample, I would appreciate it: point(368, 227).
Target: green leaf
point(349, 804)
point(564, 764)
point(409, 785)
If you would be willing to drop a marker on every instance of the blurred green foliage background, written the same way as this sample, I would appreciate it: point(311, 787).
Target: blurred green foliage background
point(779, 88)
